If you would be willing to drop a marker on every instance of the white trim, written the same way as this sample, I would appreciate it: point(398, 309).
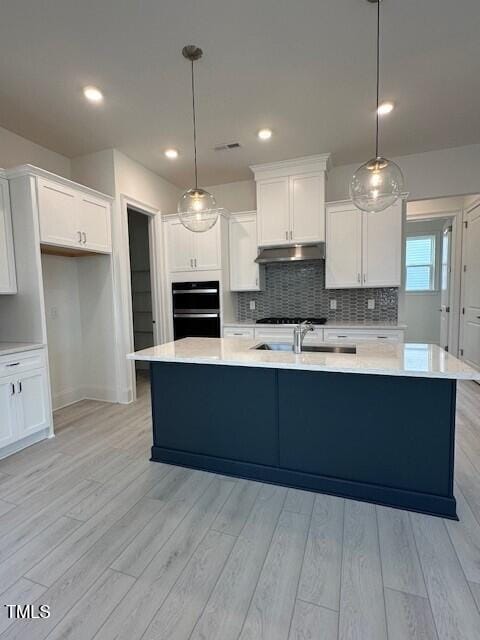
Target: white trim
point(305, 164)
point(31, 170)
point(157, 271)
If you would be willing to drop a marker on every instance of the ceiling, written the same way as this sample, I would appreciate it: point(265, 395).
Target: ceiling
point(305, 68)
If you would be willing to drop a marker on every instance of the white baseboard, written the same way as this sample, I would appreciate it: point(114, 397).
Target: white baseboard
point(24, 442)
point(103, 394)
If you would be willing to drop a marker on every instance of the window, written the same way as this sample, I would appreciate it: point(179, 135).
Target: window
point(420, 263)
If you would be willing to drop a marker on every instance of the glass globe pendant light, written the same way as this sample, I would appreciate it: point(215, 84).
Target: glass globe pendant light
point(378, 183)
point(197, 209)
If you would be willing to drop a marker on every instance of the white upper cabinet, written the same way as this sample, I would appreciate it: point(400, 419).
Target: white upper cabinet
point(72, 218)
point(307, 208)
point(190, 251)
point(245, 273)
point(180, 246)
point(291, 201)
point(207, 249)
point(8, 282)
point(273, 222)
point(94, 222)
point(363, 249)
point(382, 247)
point(343, 267)
point(58, 209)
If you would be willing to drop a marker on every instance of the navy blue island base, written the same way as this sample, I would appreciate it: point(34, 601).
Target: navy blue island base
point(378, 438)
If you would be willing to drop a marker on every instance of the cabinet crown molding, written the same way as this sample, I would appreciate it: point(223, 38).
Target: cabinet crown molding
point(295, 166)
point(31, 170)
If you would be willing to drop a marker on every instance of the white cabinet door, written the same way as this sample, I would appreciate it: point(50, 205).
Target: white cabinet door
point(343, 265)
point(32, 402)
point(382, 247)
point(58, 209)
point(8, 282)
point(94, 224)
point(273, 212)
point(180, 247)
point(244, 271)
point(8, 415)
point(307, 208)
point(207, 249)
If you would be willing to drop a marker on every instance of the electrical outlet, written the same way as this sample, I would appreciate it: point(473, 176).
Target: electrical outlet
point(252, 305)
point(371, 303)
point(53, 313)
point(333, 305)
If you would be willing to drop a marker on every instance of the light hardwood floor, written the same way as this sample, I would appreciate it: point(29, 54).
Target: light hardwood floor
point(123, 548)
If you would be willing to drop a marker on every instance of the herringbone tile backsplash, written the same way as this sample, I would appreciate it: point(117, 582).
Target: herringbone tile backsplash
point(298, 289)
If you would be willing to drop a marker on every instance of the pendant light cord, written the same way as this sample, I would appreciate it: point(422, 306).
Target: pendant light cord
point(194, 128)
point(378, 76)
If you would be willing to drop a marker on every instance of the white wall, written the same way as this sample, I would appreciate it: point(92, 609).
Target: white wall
point(64, 330)
point(432, 174)
point(235, 196)
point(15, 150)
point(422, 313)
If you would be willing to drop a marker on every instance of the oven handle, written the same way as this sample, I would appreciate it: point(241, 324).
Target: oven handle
point(196, 315)
point(177, 292)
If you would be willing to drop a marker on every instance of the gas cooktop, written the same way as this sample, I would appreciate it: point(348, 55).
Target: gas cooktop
point(295, 320)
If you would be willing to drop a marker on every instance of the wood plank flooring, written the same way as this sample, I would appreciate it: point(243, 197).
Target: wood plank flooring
point(122, 548)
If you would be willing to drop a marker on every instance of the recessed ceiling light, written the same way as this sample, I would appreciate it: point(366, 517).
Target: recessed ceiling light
point(265, 134)
point(171, 153)
point(93, 94)
point(384, 108)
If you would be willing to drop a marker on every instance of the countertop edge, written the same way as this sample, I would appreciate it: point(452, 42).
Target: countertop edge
point(19, 348)
point(307, 367)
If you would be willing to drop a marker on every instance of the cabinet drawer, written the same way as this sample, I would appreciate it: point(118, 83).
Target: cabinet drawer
point(363, 335)
point(314, 337)
point(16, 363)
point(238, 332)
point(274, 335)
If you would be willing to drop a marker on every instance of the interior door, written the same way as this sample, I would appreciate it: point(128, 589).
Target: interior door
point(343, 265)
point(307, 208)
point(58, 208)
point(207, 248)
point(273, 212)
point(32, 404)
point(94, 224)
point(382, 247)
point(7, 411)
point(445, 274)
point(180, 247)
point(471, 290)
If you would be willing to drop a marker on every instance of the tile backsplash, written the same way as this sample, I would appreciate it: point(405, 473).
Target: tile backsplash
point(298, 289)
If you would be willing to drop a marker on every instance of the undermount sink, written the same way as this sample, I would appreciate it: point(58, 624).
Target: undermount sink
point(320, 348)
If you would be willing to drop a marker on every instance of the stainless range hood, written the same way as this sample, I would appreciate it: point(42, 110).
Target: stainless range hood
point(294, 253)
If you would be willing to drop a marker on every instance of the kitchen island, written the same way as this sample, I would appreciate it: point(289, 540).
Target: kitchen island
point(375, 425)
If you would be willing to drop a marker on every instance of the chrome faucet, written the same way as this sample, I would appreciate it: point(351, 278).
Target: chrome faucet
point(299, 333)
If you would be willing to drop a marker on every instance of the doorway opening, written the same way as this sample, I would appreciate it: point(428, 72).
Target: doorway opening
point(143, 320)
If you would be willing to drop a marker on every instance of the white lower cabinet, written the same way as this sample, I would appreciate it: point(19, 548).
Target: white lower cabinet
point(318, 335)
point(24, 398)
point(8, 411)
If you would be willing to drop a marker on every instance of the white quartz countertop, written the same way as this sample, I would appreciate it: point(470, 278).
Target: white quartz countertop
point(327, 325)
point(413, 360)
point(7, 348)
